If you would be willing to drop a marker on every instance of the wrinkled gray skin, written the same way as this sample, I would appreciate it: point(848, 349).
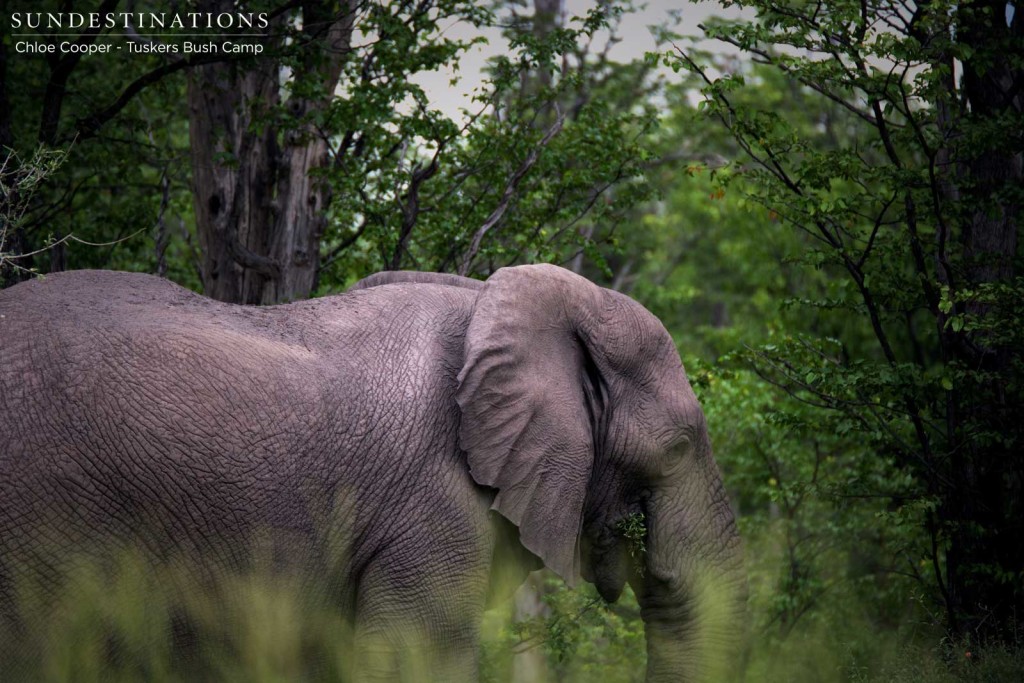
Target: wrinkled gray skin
point(372, 434)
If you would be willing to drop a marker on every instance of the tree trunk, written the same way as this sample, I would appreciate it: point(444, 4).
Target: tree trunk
point(983, 508)
point(260, 211)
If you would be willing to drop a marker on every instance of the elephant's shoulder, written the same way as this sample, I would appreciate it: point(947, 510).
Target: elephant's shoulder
point(407, 328)
point(424, 297)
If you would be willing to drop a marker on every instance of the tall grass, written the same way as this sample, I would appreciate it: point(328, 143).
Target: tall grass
point(131, 620)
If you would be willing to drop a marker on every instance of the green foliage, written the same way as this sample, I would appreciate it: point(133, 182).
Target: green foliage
point(634, 529)
point(575, 637)
point(534, 165)
point(892, 342)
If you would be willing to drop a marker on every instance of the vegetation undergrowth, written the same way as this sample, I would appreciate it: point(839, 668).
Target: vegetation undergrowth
point(130, 620)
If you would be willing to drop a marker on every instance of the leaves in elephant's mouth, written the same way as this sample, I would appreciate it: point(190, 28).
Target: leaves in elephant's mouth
point(634, 529)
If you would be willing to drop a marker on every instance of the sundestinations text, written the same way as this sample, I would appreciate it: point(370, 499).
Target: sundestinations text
point(139, 20)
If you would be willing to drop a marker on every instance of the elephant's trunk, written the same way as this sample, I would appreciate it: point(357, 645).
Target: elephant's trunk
point(693, 591)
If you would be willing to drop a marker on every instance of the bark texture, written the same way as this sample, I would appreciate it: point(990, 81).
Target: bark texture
point(260, 210)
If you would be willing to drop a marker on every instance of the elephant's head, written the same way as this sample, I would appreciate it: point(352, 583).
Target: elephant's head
point(575, 407)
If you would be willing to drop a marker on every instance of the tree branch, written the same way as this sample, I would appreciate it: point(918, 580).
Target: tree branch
point(60, 71)
point(411, 206)
point(507, 195)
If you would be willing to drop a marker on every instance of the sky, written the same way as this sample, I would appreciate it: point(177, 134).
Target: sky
point(634, 32)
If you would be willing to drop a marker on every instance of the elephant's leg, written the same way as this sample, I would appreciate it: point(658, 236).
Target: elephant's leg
point(418, 615)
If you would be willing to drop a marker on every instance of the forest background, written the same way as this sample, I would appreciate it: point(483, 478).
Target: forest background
point(819, 199)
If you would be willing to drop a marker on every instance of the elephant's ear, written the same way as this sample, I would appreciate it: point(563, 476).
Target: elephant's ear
point(526, 420)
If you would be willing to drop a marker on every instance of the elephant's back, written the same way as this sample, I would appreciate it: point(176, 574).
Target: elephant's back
point(77, 301)
point(78, 314)
point(99, 291)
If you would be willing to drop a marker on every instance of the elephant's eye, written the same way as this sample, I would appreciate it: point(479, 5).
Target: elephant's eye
point(679, 446)
point(674, 456)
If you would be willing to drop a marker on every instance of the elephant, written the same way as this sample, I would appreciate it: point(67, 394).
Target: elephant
point(403, 443)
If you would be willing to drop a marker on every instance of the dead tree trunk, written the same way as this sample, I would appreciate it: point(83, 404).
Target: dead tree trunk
point(260, 210)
